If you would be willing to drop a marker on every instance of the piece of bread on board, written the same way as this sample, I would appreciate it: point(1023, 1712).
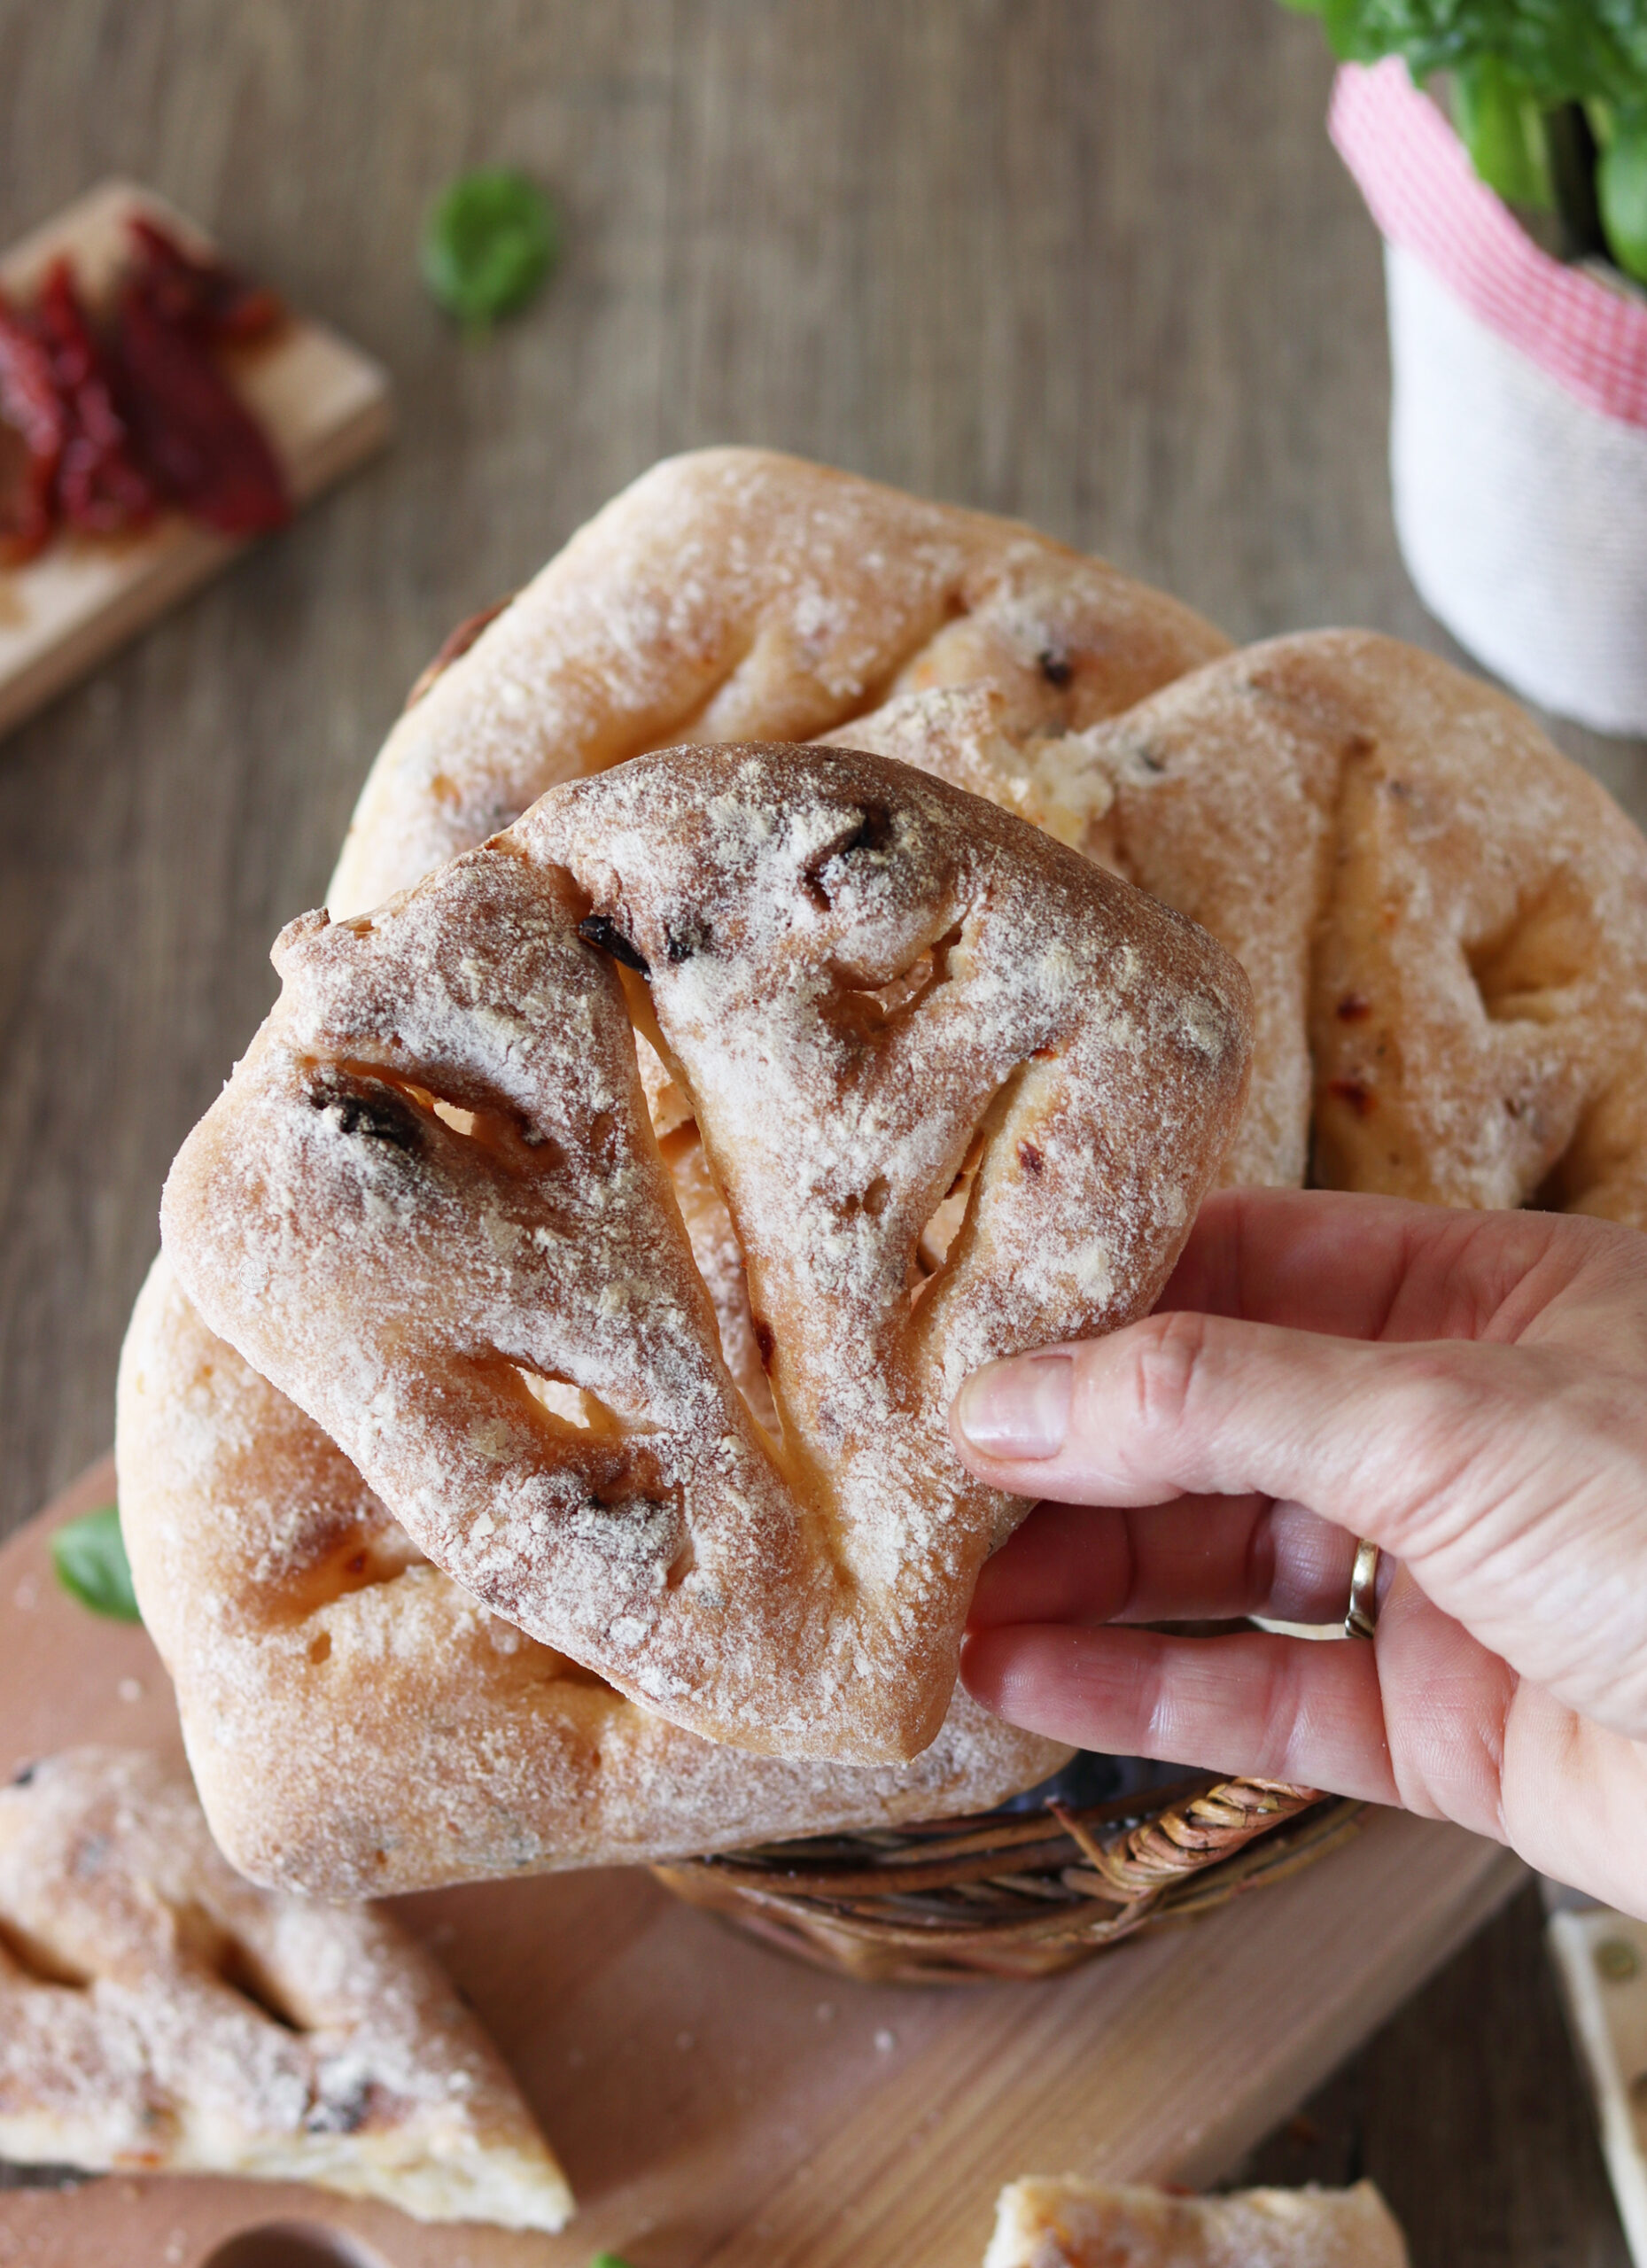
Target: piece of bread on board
point(1068, 2223)
point(159, 2014)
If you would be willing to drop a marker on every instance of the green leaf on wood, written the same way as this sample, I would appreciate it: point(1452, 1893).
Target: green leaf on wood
point(489, 243)
point(90, 1557)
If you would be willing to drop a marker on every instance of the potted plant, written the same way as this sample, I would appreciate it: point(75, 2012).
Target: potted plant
point(1515, 230)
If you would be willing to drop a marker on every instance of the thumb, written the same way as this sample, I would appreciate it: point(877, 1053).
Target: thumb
point(1380, 1438)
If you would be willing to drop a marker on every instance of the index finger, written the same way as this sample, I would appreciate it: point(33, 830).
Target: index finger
point(1359, 1266)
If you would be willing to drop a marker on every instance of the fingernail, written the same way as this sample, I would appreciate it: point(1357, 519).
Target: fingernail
point(1017, 1409)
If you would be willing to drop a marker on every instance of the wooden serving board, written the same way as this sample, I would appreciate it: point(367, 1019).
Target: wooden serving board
point(322, 403)
point(714, 2102)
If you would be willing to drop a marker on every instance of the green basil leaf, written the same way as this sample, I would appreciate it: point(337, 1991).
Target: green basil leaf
point(1621, 192)
point(1503, 128)
point(489, 243)
point(1564, 50)
point(1523, 72)
point(90, 1557)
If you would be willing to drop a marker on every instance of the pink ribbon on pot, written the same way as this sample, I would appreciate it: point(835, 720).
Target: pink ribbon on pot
point(1424, 194)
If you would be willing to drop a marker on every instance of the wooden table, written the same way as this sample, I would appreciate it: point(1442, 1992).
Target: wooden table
point(1087, 261)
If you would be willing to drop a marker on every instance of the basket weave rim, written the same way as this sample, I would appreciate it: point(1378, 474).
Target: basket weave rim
point(880, 1863)
point(1091, 1875)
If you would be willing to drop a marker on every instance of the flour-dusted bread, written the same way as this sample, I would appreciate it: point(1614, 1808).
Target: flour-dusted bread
point(737, 595)
point(358, 1725)
point(1444, 921)
point(1072, 2224)
point(157, 2012)
point(432, 1199)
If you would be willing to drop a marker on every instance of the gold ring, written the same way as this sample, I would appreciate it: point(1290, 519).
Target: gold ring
point(1361, 1619)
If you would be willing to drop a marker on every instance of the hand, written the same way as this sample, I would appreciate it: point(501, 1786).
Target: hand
point(1467, 1389)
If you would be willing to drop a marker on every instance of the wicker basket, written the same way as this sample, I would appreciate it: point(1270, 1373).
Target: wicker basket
point(1015, 1894)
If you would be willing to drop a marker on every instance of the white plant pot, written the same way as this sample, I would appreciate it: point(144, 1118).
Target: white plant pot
point(1518, 426)
point(1521, 511)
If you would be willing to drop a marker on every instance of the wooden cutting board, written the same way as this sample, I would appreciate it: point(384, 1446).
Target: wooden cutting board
point(714, 2102)
point(322, 403)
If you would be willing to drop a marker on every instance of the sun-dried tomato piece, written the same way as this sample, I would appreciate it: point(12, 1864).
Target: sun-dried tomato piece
point(193, 434)
point(99, 488)
point(189, 289)
point(32, 408)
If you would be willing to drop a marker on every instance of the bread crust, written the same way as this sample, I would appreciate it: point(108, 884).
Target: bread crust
point(1441, 916)
point(852, 971)
point(736, 593)
point(1443, 920)
point(1068, 2223)
point(358, 1726)
point(157, 2012)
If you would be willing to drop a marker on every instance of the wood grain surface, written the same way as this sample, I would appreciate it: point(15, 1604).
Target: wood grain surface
point(1089, 261)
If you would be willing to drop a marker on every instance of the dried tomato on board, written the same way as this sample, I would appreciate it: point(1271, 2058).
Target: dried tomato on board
point(187, 289)
point(31, 409)
point(98, 486)
point(191, 431)
point(102, 431)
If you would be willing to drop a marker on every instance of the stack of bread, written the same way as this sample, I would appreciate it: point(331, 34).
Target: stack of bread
point(808, 943)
